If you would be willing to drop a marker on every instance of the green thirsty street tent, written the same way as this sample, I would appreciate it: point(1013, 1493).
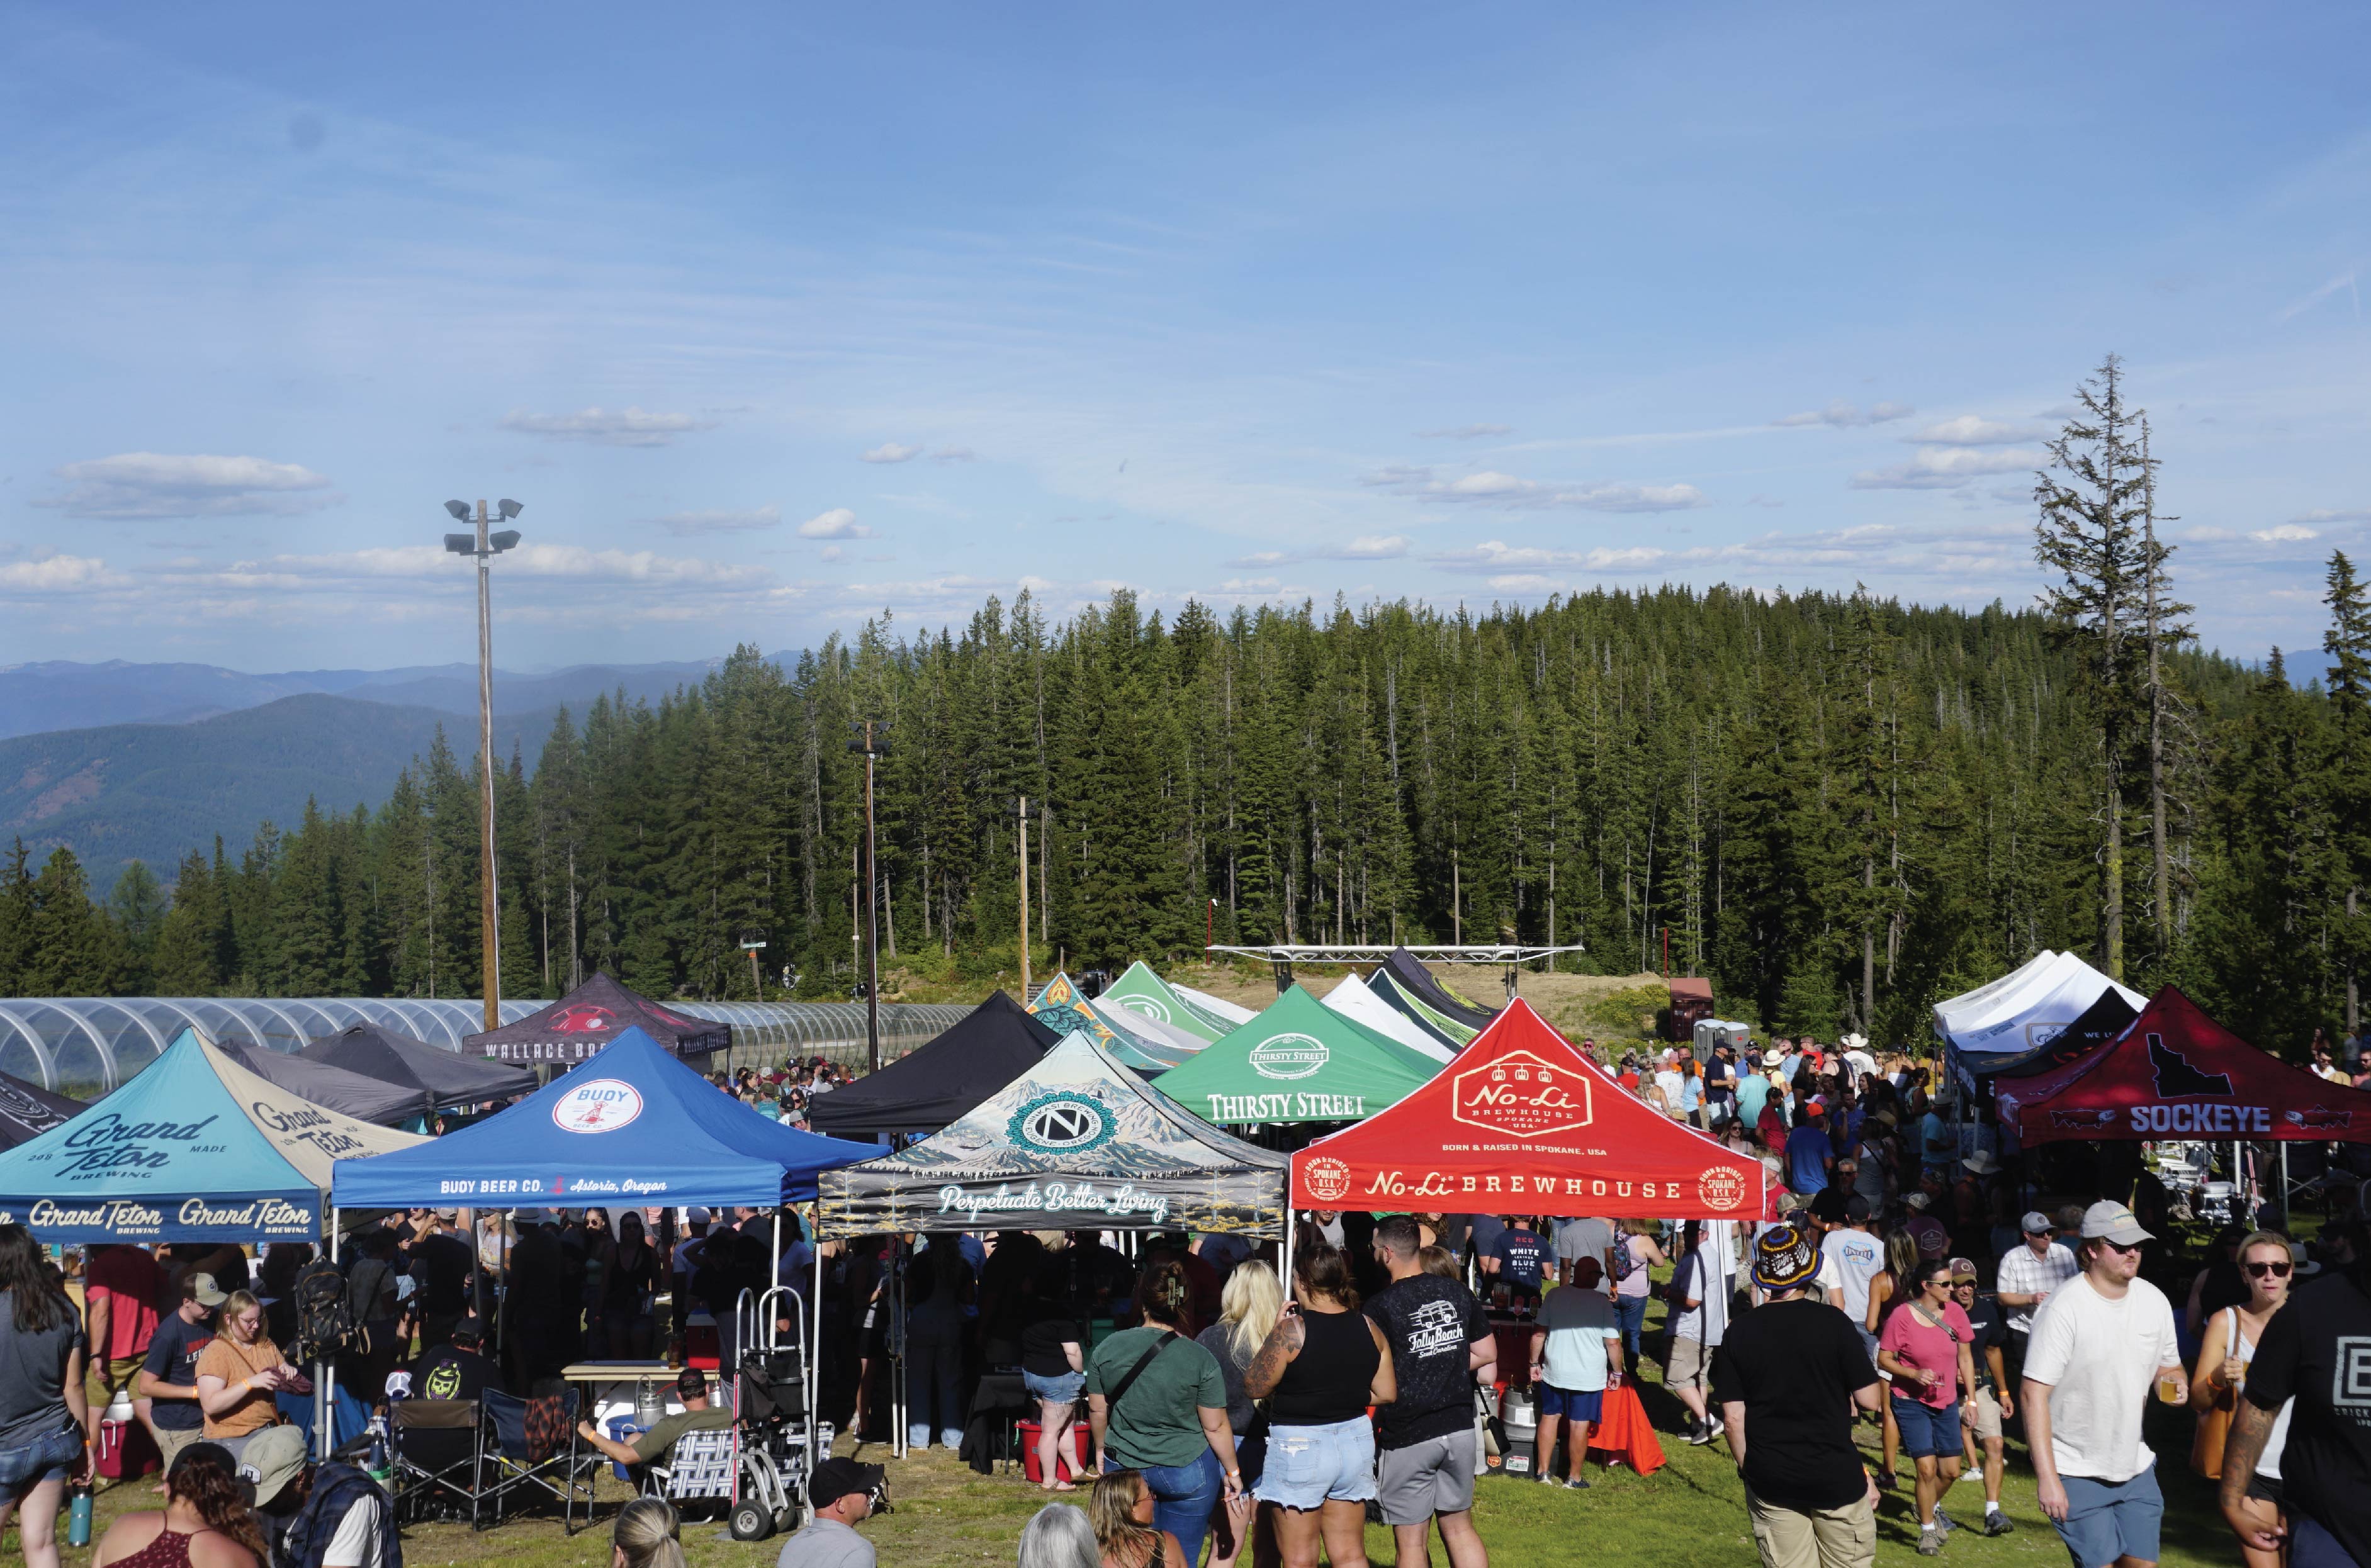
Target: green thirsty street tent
point(1299, 1061)
point(1147, 995)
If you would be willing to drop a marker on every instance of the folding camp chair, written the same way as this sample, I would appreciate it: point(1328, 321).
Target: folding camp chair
point(435, 1458)
point(507, 1466)
point(700, 1467)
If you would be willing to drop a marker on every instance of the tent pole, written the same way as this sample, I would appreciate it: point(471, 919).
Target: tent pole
point(325, 1384)
point(2285, 1184)
point(1288, 1229)
point(897, 1348)
point(814, 1343)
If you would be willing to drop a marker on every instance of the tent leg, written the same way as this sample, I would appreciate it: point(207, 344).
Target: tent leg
point(325, 1381)
point(815, 1346)
point(1288, 1229)
point(897, 1349)
point(2285, 1184)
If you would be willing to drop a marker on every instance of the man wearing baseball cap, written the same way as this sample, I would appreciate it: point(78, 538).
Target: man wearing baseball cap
point(2029, 1272)
point(843, 1492)
point(168, 1376)
point(1787, 1376)
point(2098, 1344)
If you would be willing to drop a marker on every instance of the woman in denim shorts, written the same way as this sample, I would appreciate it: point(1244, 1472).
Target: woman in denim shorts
point(42, 1409)
point(1054, 1367)
point(1323, 1364)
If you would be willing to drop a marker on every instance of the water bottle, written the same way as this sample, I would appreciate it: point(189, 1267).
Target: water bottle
point(378, 1465)
point(78, 1521)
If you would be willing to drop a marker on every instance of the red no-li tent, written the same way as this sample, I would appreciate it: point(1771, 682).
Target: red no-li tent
point(1521, 1123)
point(2176, 1073)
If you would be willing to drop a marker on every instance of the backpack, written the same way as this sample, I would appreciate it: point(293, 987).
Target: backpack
point(1625, 1264)
point(325, 1322)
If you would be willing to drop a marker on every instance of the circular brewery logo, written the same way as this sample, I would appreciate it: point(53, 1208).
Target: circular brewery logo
point(1063, 1122)
point(602, 1106)
point(1327, 1179)
point(1289, 1055)
point(1152, 1007)
point(1720, 1187)
point(582, 1019)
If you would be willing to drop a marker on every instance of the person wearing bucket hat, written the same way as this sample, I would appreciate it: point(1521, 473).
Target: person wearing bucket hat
point(2097, 1346)
point(1787, 1377)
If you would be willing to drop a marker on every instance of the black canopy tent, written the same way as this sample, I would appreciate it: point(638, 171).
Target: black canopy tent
point(432, 1076)
point(1405, 969)
point(332, 1089)
point(575, 1028)
point(26, 1111)
point(930, 1086)
point(2100, 1022)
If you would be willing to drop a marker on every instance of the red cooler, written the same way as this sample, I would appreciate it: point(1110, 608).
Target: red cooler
point(1083, 1442)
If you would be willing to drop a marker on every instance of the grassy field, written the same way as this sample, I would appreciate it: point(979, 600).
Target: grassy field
point(948, 1517)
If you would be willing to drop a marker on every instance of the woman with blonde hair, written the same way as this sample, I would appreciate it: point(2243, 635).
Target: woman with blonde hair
point(239, 1373)
point(645, 1536)
point(1120, 1510)
point(2268, 1263)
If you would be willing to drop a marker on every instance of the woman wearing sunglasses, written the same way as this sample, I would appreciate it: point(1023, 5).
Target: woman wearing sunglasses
point(2268, 1263)
point(1925, 1346)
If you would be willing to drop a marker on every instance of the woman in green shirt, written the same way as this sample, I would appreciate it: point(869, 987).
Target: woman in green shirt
point(1157, 1403)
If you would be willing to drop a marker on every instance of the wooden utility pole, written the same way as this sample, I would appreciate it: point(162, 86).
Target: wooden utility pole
point(2164, 872)
point(1024, 865)
point(873, 739)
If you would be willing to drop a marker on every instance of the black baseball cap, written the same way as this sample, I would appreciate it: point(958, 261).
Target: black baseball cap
point(835, 1479)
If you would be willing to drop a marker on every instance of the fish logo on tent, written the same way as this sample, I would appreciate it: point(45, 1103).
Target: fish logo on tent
point(1289, 1055)
point(1523, 1095)
point(2177, 1079)
point(602, 1106)
point(584, 1020)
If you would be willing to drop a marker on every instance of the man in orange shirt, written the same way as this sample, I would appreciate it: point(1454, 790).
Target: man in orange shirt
point(119, 1289)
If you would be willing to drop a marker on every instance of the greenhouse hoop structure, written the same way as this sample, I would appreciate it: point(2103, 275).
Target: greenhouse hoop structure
point(85, 1047)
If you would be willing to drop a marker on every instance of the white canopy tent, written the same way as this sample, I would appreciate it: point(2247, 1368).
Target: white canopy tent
point(1354, 1001)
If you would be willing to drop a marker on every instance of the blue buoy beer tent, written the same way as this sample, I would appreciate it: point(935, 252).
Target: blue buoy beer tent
point(632, 1125)
point(195, 1148)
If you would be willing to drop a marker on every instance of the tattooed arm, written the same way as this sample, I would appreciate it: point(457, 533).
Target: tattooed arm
point(2251, 1424)
point(1283, 1344)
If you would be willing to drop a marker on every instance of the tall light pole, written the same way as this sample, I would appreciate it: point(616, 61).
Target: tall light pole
point(485, 547)
point(872, 739)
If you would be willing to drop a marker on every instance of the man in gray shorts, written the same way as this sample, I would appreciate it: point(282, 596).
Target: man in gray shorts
point(1439, 1339)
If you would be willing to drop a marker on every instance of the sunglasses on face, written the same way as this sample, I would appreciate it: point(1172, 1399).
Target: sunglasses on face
point(2277, 1270)
point(2118, 1246)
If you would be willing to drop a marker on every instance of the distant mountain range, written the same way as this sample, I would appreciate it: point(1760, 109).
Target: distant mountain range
point(213, 751)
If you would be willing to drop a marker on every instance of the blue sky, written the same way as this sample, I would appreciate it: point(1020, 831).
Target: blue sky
point(778, 317)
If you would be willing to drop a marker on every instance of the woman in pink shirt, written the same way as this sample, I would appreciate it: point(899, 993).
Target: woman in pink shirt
point(1925, 1345)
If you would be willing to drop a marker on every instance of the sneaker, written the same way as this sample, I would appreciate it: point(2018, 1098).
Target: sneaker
point(1704, 1433)
point(1544, 1479)
point(1930, 1543)
point(1576, 1483)
point(1943, 1525)
point(1997, 1525)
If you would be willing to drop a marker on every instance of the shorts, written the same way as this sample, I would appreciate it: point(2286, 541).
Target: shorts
point(171, 1440)
point(53, 1457)
point(1982, 1412)
point(2105, 1520)
point(1064, 1389)
point(1433, 1476)
point(1572, 1404)
point(1927, 1432)
point(1308, 1466)
point(101, 1378)
point(1689, 1363)
point(2265, 1488)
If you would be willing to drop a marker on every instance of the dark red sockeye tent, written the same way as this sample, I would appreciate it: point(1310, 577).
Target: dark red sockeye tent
point(575, 1028)
point(2175, 1073)
point(1521, 1123)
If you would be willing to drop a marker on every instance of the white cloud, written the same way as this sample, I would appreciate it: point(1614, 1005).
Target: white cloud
point(54, 574)
point(685, 523)
point(1251, 585)
point(565, 562)
point(1975, 430)
point(626, 427)
point(1844, 415)
point(1948, 468)
point(955, 455)
point(2207, 536)
point(889, 451)
point(1489, 488)
point(1367, 546)
point(2283, 534)
point(1494, 555)
point(2323, 514)
point(155, 484)
point(840, 523)
point(1464, 432)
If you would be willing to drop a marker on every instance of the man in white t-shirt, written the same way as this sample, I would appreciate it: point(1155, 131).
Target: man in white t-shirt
point(1698, 1299)
point(1576, 1356)
point(1858, 1257)
point(2099, 1345)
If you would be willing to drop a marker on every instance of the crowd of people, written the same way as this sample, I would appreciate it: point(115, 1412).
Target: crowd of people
point(1207, 1406)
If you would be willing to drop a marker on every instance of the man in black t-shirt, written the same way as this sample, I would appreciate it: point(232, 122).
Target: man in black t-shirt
point(1985, 1406)
point(455, 1371)
point(168, 1377)
point(1787, 1377)
point(2316, 1351)
point(442, 1264)
point(1439, 1339)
